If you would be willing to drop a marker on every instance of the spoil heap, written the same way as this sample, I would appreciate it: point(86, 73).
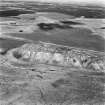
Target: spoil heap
point(57, 55)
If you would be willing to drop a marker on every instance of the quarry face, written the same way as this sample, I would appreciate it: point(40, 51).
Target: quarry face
point(51, 53)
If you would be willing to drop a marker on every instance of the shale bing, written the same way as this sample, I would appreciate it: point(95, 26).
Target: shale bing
point(57, 55)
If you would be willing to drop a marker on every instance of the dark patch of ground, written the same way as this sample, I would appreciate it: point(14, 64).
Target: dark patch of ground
point(6, 13)
point(70, 22)
point(49, 26)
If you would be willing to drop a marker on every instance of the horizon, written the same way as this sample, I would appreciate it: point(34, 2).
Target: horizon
point(94, 2)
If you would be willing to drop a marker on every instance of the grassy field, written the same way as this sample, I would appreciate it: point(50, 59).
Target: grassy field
point(77, 37)
point(46, 85)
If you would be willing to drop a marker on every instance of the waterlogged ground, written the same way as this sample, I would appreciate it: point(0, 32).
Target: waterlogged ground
point(45, 84)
